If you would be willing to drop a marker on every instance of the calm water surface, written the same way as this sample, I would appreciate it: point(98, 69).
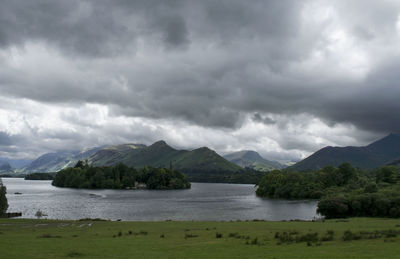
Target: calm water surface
point(204, 201)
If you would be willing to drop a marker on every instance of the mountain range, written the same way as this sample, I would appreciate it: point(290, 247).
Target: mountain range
point(381, 152)
point(253, 160)
point(204, 160)
point(159, 154)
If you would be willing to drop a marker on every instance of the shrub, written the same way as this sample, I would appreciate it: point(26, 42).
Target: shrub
point(349, 236)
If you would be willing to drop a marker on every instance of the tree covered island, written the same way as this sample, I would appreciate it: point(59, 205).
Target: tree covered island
point(120, 177)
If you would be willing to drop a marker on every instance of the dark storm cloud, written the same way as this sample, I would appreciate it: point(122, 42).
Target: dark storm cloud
point(74, 26)
point(208, 63)
point(264, 119)
point(371, 106)
point(203, 93)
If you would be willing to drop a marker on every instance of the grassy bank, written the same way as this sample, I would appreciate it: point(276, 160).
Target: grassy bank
point(353, 238)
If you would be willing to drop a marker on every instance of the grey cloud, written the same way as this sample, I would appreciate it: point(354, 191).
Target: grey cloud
point(5, 139)
point(371, 105)
point(174, 30)
point(264, 119)
point(298, 143)
point(208, 63)
point(255, 45)
point(75, 26)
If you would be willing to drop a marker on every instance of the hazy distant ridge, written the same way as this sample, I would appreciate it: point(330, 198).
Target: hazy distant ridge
point(252, 159)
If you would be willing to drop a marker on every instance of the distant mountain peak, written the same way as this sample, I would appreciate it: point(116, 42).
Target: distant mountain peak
point(5, 166)
point(252, 159)
point(252, 154)
point(160, 143)
point(204, 149)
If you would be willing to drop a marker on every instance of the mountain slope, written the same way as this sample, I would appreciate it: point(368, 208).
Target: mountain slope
point(53, 162)
point(204, 160)
point(159, 154)
point(395, 162)
point(252, 159)
point(112, 155)
point(5, 167)
point(16, 163)
point(376, 154)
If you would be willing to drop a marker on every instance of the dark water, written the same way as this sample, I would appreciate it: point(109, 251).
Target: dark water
point(204, 201)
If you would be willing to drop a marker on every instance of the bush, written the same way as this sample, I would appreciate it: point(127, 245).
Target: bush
point(333, 207)
point(349, 236)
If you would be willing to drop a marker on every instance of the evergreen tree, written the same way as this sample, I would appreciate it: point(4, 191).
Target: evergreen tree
point(3, 199)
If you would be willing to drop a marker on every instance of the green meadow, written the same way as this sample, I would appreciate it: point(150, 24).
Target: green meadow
point(349, 238)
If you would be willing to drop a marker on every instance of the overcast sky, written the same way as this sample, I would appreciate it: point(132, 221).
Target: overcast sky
point(283, 77)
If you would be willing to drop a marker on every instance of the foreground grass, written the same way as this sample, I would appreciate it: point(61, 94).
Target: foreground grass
point(367, 238)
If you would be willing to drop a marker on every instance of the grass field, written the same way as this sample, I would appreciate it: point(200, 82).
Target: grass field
point(366, 238)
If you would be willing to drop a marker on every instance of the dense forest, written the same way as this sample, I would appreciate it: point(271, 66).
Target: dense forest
point(343, 192)
point(40, 176)
point(120, 177)
point(245, 176)
point(3, 199)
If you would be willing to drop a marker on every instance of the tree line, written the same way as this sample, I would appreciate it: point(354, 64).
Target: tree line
point(244, 176)
point(3, 199)
point(119, 177)
point(342, 192)
point(40, 176)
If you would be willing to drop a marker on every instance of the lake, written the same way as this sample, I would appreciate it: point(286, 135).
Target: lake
point(204, 201)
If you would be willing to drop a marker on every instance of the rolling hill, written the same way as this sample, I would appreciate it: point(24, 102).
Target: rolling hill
point(377, 154)
point(252, 159)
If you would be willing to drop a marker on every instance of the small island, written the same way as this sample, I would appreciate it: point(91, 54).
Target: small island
point(120, 177)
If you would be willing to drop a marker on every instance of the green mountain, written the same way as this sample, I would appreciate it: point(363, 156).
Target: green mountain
point(377, 154)
point(252, 159)
point(160, 154)
point(204, 160)
point(112, 155)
